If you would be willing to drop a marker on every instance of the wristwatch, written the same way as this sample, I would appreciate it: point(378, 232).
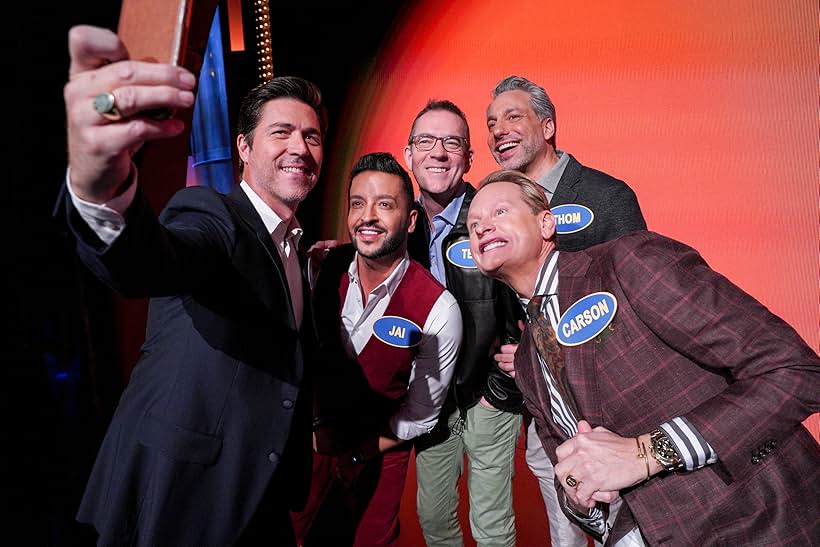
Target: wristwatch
point(663, 451)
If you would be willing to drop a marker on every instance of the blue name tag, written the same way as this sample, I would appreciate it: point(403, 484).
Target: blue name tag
point(571, 218)
point(397, 331)
point(587, 318)
point(459, 254)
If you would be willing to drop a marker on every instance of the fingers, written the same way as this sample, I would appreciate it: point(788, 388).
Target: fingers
point(584, 427)
point(605, 496)
point(92, 47)
point(521, 325)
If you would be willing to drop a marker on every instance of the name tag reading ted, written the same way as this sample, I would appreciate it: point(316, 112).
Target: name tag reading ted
point(459, 254)
point(586, 318)
point(397, 331)
point(571, 218)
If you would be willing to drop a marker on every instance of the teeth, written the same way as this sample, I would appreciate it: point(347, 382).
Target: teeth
point(369, 232)
point(507, 146)
point(494, 245)
point(300, 170)
point(437, 169)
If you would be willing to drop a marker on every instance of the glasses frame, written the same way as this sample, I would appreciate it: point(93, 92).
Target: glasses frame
point(464, 145)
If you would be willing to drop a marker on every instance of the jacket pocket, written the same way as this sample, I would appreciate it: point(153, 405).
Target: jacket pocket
point(177, 442)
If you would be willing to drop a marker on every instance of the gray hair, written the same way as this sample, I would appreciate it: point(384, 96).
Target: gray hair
point(539, 100)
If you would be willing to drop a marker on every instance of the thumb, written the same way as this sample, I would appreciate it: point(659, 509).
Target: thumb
point(521, 325)
point(584, 427)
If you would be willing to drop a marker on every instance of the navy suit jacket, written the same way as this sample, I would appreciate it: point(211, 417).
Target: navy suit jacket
point(687, 342)
point(217, 402)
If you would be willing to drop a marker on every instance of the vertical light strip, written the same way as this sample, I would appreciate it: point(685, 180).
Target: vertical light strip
point(264, 64)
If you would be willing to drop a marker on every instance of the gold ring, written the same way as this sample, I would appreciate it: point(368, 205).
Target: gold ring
point(571, 481)
point(105, 105)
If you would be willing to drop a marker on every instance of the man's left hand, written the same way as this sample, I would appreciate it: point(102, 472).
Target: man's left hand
point(600, 462)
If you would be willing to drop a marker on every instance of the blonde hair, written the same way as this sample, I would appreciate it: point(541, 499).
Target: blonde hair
point(531, 192)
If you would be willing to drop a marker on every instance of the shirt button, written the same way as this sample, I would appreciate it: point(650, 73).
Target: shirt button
point(287, 403)
point(273, 457)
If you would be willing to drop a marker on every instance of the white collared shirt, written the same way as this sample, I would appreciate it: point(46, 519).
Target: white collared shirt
point(437, 352)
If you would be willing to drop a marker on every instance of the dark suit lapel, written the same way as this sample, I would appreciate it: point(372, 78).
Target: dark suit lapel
point(574, 283)
point(565, 191)
point(272, 290)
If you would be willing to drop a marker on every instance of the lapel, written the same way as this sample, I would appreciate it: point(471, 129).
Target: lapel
point(575, 282)
point(565, 192)
point(272, 290)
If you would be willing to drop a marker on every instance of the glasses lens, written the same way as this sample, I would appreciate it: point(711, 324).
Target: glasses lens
point(452, 144)
point(425, 142)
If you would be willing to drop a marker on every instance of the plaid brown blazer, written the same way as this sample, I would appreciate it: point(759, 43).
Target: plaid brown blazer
point(685, 341)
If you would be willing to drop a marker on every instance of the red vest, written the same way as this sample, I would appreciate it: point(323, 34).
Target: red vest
point(387, 367)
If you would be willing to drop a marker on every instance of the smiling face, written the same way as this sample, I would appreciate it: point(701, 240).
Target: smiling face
point(508, 240)
point(437, 171)
point(283, 157)
point(517, 138)
point(379, 215)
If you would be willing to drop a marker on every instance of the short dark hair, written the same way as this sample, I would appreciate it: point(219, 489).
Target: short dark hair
point(383, 162)
point(291, 87)
point(449, 106)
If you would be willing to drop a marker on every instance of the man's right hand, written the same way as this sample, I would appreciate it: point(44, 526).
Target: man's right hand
point(99, 149)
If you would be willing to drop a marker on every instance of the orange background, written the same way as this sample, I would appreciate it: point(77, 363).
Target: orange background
point(709, 110)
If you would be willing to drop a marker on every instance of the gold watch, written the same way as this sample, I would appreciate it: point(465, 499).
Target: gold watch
point(663, 451)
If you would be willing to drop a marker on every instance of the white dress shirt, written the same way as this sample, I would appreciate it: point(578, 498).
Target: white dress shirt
point(435, 361)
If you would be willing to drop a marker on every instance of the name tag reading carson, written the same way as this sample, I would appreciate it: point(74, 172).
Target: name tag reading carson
point(459, 254)
point(571, 218)
point(397, 331)
point(587, 318)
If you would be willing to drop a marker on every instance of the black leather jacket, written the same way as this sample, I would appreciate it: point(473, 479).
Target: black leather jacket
point(489, 310)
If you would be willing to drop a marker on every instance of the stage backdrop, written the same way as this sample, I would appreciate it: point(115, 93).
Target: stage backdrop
point(709, 110)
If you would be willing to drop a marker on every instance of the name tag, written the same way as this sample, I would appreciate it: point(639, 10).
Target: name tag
point(397, 331)
point(571, 218)
point(459, 254)
point(586, 318)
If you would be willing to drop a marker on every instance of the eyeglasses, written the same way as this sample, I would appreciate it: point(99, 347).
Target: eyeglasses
point(424, 143)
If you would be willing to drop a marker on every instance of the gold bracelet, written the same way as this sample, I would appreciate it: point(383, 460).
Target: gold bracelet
point(642, 455)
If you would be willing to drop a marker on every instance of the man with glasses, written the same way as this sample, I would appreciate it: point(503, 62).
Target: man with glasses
point(481, 417)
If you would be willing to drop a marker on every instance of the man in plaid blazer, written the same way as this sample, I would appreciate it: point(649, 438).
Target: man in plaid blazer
point(687, 400)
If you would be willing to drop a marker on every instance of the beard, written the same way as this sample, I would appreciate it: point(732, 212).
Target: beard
point(520, 161)
point(390, 245)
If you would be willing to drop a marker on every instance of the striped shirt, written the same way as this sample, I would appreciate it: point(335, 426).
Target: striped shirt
point(694, 451)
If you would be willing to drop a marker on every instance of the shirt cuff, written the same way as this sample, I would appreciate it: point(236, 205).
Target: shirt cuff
point(694, 451)
point(594, 523)
point(107, 220)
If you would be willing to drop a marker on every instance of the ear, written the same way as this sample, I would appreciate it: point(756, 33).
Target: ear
point(547, 222)
point(469, 161)
point(243, 147)
point(548, 128)
point(411, 220)
point(408, 158)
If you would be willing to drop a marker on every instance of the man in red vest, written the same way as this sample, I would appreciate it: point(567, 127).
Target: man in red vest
point(389, 338)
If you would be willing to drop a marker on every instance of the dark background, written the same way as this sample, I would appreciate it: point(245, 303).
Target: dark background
point(72, 343)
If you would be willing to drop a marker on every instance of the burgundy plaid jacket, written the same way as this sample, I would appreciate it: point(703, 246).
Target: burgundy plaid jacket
point(687, 342)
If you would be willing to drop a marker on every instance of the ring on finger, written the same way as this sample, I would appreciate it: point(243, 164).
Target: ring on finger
point(571, 481)
point(105, 104)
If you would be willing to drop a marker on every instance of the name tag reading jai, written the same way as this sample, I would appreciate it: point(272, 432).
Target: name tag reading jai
point(397, 331)
point(459, 254)
point(586, 318)
point(571, 218)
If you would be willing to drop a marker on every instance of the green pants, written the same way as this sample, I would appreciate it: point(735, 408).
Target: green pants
point(489, 440)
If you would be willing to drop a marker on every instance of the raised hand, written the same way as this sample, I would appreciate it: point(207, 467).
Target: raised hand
point(101, 145)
